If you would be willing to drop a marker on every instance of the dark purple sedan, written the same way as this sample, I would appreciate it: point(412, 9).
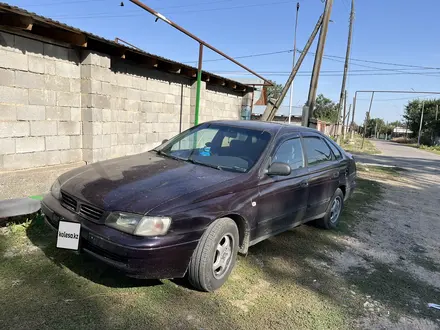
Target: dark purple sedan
point(190, 205)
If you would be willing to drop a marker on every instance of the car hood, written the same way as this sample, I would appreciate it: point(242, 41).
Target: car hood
point(139, 183)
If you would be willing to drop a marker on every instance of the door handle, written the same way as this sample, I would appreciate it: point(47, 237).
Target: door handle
point(304, 184)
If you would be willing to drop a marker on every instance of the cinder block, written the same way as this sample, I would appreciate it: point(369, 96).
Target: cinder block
point(49, 67)
point(75, 114)
point(22, 161)
point(106, 115)
point(121, 128)
point(56, 52)
point(146, 128)
point(169, 98)
point(94, 58)
point(100, 101)
point(14, 129)
point(132, 128)
point(31, 112)
point(117, 103)
point(152, 137)
point(43, 128)
point(69, 128)
point(124, 80)
point(131, 105)
point(125, 139)
point(97, 141)
point(157, 107)
point(13, 95)
point(114, 127)
point(53, 157)
point(91, 114)
point(36, 64)
point(75, 85)
point(87, 141)
point(68, 99)
point(106, 141)
point(114, 139)
point(7, 146)
point(57, 142)
point(30, 46)
point(106, 128)
point(7, 77)
point(139, 83)
point(140, 138)
point(41, 97)
point(67, 69)
point(58, 113)
point(13, 60)
point(76, 141)
point(147, 96)
point(8, 112)
point(97, 128)
point(71, 156)
point(29, 144)
point(133, 94)
point(56, 83)
point(152, 117)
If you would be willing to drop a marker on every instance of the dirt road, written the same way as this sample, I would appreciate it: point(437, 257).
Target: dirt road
point(397, 246)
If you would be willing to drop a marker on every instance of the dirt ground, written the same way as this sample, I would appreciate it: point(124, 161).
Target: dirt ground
point(379, 270)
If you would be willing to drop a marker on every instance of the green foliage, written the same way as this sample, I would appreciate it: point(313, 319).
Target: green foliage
point(430, 127)
point(325, 109)
point(273, 92)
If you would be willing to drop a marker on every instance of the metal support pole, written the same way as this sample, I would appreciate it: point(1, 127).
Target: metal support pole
point(271, 108)
point(310, 105)
point(199, 83)
point(436, 112)
point(293, 64)
point(252, 99)
point(347, 125)
point(421, 124)
point(352, 116)
point(366, 120)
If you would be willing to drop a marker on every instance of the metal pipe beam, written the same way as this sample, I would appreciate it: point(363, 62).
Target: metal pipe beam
point(200, 41)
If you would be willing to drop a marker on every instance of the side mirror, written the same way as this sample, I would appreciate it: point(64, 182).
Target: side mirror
point(282, 169)
point(166, 140)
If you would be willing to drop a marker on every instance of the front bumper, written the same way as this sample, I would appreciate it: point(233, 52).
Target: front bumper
point(148, 257)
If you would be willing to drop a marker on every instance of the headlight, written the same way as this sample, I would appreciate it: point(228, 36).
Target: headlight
point(137, 224)
point(56, 189)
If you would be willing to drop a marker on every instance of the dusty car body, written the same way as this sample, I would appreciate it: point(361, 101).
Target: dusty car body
point(188, 206)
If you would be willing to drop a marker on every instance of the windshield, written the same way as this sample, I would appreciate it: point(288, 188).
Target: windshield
point(219, 146)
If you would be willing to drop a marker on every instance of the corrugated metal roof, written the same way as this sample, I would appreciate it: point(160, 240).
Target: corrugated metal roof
point(6, 8)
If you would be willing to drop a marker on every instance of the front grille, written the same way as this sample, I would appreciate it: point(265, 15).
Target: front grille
point(90, 212)
point(68, 201)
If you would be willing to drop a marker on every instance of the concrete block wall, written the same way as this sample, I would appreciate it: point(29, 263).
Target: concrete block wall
point(40, 116)
point(61, 105)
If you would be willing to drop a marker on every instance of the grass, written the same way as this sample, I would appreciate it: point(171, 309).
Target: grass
point(434, 149)
point(393, 171)
point(285, 282)
point(355, 146)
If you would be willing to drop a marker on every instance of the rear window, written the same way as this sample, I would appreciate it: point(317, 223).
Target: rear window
point(334, 148)
point(317, 151)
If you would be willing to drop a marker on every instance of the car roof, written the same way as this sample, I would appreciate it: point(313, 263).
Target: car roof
point(272, 127)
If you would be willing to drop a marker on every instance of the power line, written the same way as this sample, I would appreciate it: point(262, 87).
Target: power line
point(60, 3)
point(434, 74)
point(177, 12)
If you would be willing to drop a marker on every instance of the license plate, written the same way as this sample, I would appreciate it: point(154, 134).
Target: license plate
point(68, 235)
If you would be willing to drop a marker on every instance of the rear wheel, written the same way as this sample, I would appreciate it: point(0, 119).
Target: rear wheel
point(215, 255)
point(334, 210)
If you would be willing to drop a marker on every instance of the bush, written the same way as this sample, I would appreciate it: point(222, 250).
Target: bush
point(403, 139)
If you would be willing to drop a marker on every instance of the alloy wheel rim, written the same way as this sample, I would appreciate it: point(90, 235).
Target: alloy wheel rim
point(222, 256)
point(335, 209)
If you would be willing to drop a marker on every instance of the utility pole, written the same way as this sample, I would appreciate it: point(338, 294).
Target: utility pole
point(421, 124)
point(310, 105)
point(436, 112)
point(347, 125)
point(271, 108)
point(347, 59)
point(366, 120)
point(352, 116)
point(293, 64)
point(343, 117)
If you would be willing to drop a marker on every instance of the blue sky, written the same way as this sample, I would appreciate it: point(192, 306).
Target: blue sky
point(396, 31)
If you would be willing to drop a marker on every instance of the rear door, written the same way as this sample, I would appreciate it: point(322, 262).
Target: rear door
point(323, 169)
point(282, 200)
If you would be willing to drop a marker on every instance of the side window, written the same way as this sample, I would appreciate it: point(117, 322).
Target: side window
point(290, 152)
point(317, 151)
point(335, 149)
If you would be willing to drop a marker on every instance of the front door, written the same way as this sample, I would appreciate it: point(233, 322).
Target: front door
point(282, 200)
point(323, 174)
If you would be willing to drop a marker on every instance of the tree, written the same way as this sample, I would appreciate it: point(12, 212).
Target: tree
point(371, 126)
point(430, 127)
point(273, 92)
point(325, 109)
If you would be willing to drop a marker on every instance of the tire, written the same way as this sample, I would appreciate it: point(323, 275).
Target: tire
point(331, 220)
point(212, 249)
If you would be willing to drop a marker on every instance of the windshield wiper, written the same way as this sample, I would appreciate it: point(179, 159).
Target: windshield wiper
point(161, 153)
point(218, 167)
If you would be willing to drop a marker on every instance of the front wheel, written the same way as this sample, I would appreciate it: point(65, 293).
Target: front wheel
point(215, 255)
point(334, 210)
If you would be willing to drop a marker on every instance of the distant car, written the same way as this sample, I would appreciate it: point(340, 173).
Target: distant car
point(188, 206)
